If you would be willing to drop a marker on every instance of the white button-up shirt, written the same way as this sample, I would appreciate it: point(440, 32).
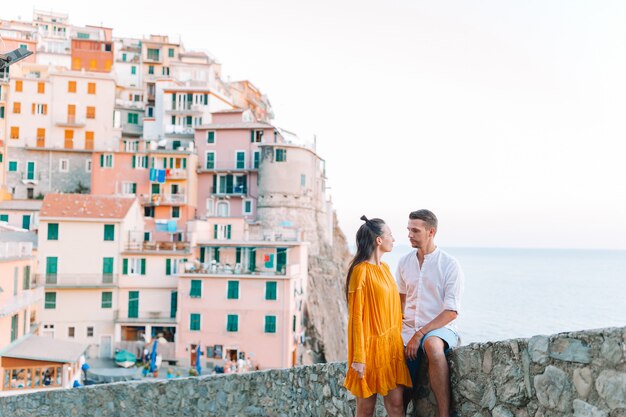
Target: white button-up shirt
point(431, 289)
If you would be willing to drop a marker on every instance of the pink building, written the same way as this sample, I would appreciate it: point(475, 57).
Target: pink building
point(243, 299)
point(228, 163)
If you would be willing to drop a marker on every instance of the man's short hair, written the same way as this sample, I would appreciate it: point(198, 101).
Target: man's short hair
point(426, 216)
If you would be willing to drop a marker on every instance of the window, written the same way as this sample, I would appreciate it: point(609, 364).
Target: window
point(150, 69)
point(210, 160)
point(107, 300)
point(241, 160)
point(26, 277)
point(71, 86)
point(124, 57)
point(134, 266)
point(91, 88)
point(281, 155)
point(18, 86)
point(173, 304)
point(39, 109)
point(210, 136)
point(270, 290)
point(256, 136)
point(30, 170)
point(1, 112)
point(165, 70)
point(133, 304)
point(41, 133)
point(91, 112)
point(302, 180)
point(232, 323)
point(222, 231)
point(257, 155)
point(52, 263)
point(50, 301)
point(15, 132)
point(69, 139)
point(175, 212)
point(14, 330)
point(247, 207)
point(148, 211)
point(12, 166)
point(129, 188)
point(4, 217)
point(133, 70)
point(53, 231)
point(170, 52)
point(107, 269)
point(17, 107)
point(88, 140)
point(196, 288)
point(230, 184)
point(270, 324)
point(233, 290)
point(194, 322)
point(88, 165)
point(106, 161)
point(133, 118)
point(293, 323)
point(109, 232)
point(89, 331)
point(140, 161)
point(41, 87)
point(64, 165)
point(153, 54)
point(71, 331)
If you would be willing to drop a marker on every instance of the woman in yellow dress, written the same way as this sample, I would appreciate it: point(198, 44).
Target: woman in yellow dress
point(376, 363)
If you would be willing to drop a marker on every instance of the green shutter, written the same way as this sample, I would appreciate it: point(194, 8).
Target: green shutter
point(125, 266)
point(143, 266)
point(4, 217)
point(238, 255)
point(270, 290)
point(211, 137)
point(107, 266)
point(270, 324)
point(216, 254)
point(184, 163)
point(294, 323)
point(194, 321)
point(133, 304)
point(228, 230)
point(134, 164)
point(251, 136)
point(233, 290)
point(168, 266)
point(51, 265)
point(109, 232)
point(232, 325)
point(53, 231)
point(107, 300)
point(281, 260)
point(102, 161)
point(196, 288)
point(50, 300)
point(173, 304)
point(214, 184)
point(214, 231)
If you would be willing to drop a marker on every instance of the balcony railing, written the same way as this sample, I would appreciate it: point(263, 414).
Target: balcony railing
point(150, 246)
point(15, 249)
point(132, 129)
point(163, 199)
point(176, 173)
point(154, 315)
point(179, 130)
point(129, 104)
point(227, 166)
point(22, 300)
point(77, 280)
point(237, 269)
point(69, 121)
point(235, 190)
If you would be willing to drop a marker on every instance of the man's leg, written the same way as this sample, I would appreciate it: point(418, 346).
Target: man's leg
point(438, 373)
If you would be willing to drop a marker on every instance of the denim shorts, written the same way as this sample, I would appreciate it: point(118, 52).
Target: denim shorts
point(451, 340)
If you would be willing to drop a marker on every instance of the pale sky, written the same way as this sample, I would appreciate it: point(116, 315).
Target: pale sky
point(506, 118)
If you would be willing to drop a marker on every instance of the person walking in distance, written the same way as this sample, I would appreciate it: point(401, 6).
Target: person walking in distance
point(430, 282)
point(376, 363)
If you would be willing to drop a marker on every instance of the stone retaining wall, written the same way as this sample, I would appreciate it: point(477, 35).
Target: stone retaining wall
point(581, 374)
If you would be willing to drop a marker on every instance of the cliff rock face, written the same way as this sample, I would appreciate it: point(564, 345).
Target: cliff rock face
point(325, 309)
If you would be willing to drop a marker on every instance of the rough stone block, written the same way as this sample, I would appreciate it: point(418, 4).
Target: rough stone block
point(611, 386)
point(583, 409)
point(538, 349)
point(553, 389)
point(501, 411)
point(583, 381)
point(570, 350)
point(611, 351)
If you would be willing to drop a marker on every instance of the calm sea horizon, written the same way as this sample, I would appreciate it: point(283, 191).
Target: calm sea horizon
point(512, 293)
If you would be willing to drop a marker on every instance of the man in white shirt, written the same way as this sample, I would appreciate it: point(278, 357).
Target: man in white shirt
point(430, 283)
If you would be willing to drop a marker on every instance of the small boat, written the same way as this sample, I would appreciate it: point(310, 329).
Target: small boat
point(125, 359)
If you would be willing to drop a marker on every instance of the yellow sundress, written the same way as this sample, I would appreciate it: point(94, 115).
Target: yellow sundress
point(375, 332)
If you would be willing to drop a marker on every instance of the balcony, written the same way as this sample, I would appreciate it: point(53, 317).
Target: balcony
point(221, 269)
point(69, 121)
point(186, 108)
point(78, 280)
point(11, 250)
point(163, 199)
point(176, 174)
point(128, 104)
point(132, 130)
point(238, 190)
point(153, 317)
point(21, 301)
point(227, 166)
point(177, 130)
point(151, 246)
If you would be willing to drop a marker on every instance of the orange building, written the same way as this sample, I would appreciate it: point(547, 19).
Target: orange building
point(92, 49)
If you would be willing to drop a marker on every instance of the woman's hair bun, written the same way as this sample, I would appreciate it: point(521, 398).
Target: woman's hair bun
point(365, 219)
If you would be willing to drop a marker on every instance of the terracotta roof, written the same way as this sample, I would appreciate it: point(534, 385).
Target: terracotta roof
point(85, 206)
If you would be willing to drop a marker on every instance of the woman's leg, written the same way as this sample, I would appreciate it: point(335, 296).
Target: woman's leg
point(365, 406)
point(394, 403)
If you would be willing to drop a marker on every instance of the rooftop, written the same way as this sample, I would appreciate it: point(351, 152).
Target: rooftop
point(34, 205)
point(46, 349)
point(85, 206)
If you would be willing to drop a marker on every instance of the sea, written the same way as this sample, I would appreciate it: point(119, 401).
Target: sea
point(513, 293)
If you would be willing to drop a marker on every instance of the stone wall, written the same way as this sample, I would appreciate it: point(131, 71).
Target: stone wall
point(580, 374)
